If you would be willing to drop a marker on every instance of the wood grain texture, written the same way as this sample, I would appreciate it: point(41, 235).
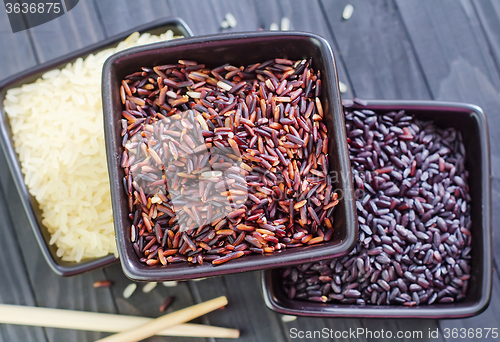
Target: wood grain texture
point(455, 60)
point(148, 304)
point(305, 16)
point(488, 12)
point(245, 15)
point(15, 287)
point(377, 54)
point(119, 16)
point(199, 15)
point(74, 30)
point(454, 56)
point(268, 12)
point(458, 67)
point(488, 319)
point(246, 310)
point(23, 56)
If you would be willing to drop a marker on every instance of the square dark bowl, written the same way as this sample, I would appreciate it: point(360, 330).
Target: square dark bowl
point(213, 51)
point(30, 205)
point(471, 122)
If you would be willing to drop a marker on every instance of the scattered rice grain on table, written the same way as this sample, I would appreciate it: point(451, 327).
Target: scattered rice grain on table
point(129, 290)
point(285, 24)
point(58, 134)
point(347, 13)
point(288, 318)
point(103, 283)
point(342, 87)
point(231, 20)
point(170, 283)
point(199, 279)
point(149, 287)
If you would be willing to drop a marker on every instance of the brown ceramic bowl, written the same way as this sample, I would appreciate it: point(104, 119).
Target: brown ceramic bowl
point(213, 51)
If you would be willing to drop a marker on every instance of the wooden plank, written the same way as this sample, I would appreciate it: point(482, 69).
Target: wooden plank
point(337, 325)
point(148, 304)
point(20, 42)
point(15, 287)
point(76, 29)
point(245, 14)
point(488, 319)
point(417, 329)
point(488, 12)
point(454, 57)
point(380, 63)
point(376, 51)
point(458, 67)
point(119, 16)
point(246, 310)
point(268, 12)
point(371, 327)
point(306, 16)
point(199, 15)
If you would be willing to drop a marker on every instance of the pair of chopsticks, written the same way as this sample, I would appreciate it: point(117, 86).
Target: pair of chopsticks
point(129, 328)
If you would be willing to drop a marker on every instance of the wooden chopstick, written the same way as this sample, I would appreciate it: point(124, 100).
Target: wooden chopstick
point(166, 321)
point(93, 321)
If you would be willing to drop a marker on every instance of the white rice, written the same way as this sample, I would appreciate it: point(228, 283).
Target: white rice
point(285, 24)
point(170, 283)
point(288, 318)
point(149, 287)
point(347, 12)
point(231, 20)
point(57, 129)
point(342, 87)
point(129, 290)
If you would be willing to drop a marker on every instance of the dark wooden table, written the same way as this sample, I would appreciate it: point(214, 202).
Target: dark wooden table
point(388, 49)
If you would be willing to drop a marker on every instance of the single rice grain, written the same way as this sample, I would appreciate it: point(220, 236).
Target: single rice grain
point(129, 290)
point(149, 287)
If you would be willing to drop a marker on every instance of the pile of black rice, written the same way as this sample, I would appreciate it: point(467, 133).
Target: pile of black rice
point(413, 208)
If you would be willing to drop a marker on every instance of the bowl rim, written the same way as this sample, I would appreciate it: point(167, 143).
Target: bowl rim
point(130, 267)
point(424, 312)
point(11, 156)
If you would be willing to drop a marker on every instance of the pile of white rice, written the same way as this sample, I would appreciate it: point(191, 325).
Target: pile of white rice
point(57, 128)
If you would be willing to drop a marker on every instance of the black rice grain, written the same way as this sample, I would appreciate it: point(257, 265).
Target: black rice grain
point(413, 212)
